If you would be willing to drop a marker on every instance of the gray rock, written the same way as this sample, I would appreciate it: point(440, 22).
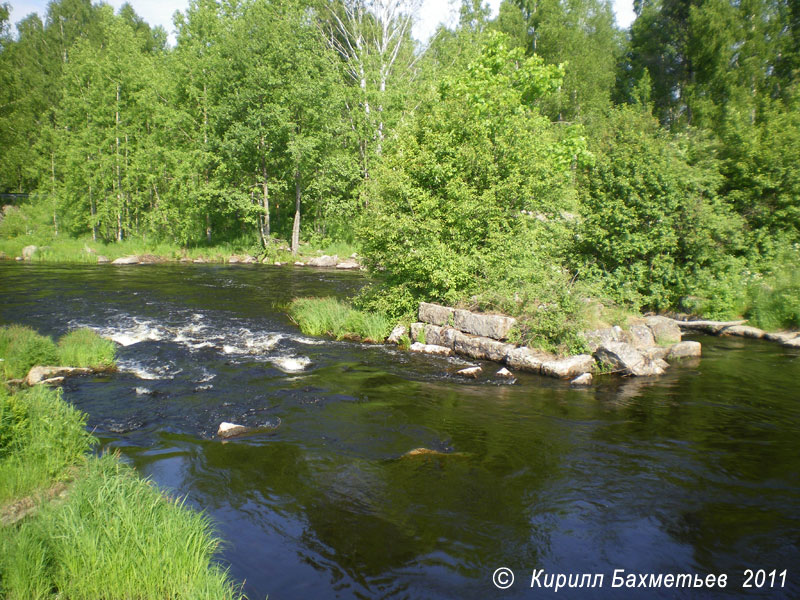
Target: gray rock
point(641, 336)
point(665, 330)
point(28, 252)
point(126, 260)
point(433, 334)
point(348, 265)
point(101, 260)
point(791, 343)
point(18, 258)
point(324, 261)
point(53, 381)
point(435, 314)
point(626, 359)
point(248, 260)
point(781, 336)
point(200, 260)
point(566, 368)
point(41, 374)
point(687, 349)
point(581, 380)
point(656, 352)
point(479, 347)
point(185, 259)
point(504, 374)
point(525, 359)
point(496, 327)
point(398, 333)
point(229, 430)
point(597, 337)
point(431, 349)
point(744, 331)
point(471, 372)
point(712, 327)
point(299, 264)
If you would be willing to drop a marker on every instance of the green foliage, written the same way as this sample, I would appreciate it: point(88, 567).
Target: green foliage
point(42, 437)
point(329, 316)
point(115, 536)
point(22, 348)
point(84, 348)
point(773, 296)
point(450, 208)
point(653, 227)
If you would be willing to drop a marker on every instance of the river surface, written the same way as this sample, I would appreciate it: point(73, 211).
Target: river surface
point(697, 471)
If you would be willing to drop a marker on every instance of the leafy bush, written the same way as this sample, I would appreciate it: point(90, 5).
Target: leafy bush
point(475, 194)
point(84, 348)
point(22, 348)
point(653, 229)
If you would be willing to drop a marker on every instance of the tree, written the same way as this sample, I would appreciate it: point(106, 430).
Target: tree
point(451, 207)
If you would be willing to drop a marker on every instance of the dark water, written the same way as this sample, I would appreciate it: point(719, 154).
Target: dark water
point(694, 472)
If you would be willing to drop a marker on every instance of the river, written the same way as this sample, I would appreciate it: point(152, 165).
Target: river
point(696, 472)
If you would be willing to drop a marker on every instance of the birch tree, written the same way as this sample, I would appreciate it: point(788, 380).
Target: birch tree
point(373, 39)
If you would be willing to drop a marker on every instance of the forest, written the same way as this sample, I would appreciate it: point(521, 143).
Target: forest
point(535, 162)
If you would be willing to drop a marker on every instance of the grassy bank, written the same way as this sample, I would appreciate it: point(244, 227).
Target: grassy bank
point(328, 316)
point(22, 348)
point(83, 250)
point(81, 527)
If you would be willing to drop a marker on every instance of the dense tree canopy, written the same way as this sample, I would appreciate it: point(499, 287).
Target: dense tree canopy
point(672, 147)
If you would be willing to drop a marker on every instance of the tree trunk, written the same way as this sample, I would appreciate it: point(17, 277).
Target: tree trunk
point(265, 217)
point(296, 225)
point(208, 228)
point(53, 189)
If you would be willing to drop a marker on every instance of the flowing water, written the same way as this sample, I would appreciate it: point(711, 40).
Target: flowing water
point(697, 471)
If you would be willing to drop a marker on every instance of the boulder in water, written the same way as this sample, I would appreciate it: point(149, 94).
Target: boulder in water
point(582, 380)
point(42, 374)
point(126, 260)
point(229, 430)
point(28, 252)
point(471, 372)
point(687, 349)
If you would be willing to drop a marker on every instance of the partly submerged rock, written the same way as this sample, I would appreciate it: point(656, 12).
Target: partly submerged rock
point(524, 359)
point(323, 261)
point(688, 349)
point(504, 374)
point(101, 260)
point(471, 372)
point(348, 265)
point(41, 374)
point(28, 252)
point(791, 343)
point(229, 430)
point(626, 359)
point(712, 327)
point(582, 380)
point(126, 260)
point(398, 333)
point(571, 366)
point(744, 331)
point(479, 347)
point(431, 349)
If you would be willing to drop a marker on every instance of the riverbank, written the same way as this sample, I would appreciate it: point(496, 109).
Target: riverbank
point(80, 526)
point(633, 345)
point(67, 250)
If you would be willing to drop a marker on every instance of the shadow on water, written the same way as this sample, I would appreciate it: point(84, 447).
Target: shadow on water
point(697, 471)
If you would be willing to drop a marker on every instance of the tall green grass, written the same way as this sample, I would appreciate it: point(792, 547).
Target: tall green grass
point(84, 348)
point(22, 348)
point(41, 438)
point(115, 537)
point(329, 316)
point(774, 301)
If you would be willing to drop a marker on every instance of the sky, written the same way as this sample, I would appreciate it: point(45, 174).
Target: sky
point(433, 12)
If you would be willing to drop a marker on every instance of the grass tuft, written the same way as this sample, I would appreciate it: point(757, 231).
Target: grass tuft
point(84, 348)
point(41, 438)
point(115, 536)
point(329, 316)
point(22, 348)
